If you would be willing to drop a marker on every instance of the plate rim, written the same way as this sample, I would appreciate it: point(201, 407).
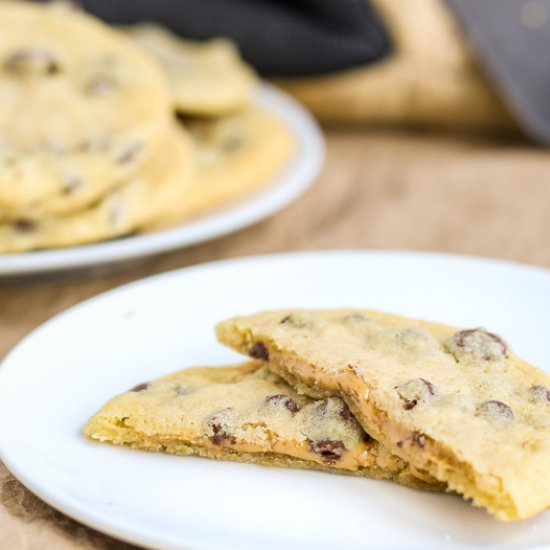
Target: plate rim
point(280, 191)
point(86, 515)
point(397, 253)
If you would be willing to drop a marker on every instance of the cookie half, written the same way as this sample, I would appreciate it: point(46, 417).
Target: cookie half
point(248, 414)
point(456, 403)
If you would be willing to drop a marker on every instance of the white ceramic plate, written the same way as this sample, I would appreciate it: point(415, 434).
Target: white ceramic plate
point(57, 377)
point(289, 183)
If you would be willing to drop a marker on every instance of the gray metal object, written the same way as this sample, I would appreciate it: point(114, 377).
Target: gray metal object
point(511, 40)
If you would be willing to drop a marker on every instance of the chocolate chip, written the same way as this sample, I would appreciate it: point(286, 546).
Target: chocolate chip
point(24, 226)
point(348, 417)
point(140, 387)
point(477, 343)
point(329, 449)
point(184, 118)
point(182, 389)
point(32, 61)
point(259, 351)
point(222, 437)
point(495, 410)
point(232, 143)
point(346, 414)
point(540, 392)
point(72, 184)
point(415, 391)
point(296, 319)
point(218, 427)
point(283, 400)
point(129, 154)
point(200, 127)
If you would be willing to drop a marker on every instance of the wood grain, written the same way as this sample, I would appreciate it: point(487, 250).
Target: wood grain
point(377, 191)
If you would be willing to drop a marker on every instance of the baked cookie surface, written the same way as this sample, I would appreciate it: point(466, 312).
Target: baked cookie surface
point(246, 413)
point(80, 105)
point(236, 154)
point(207, 78)
point(141, 200)
point(456, 403)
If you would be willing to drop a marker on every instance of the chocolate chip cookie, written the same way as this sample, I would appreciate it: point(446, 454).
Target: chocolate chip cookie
point(248, 414)
point(80, 107)
point(141, 200)
point(456, 403)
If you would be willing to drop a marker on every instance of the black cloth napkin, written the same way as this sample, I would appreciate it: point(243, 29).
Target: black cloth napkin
point(278, 37)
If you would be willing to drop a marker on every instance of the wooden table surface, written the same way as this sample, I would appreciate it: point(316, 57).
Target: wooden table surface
point(377, 191)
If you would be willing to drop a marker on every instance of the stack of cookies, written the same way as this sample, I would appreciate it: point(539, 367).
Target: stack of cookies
point(358, 392)
point(106, 132)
